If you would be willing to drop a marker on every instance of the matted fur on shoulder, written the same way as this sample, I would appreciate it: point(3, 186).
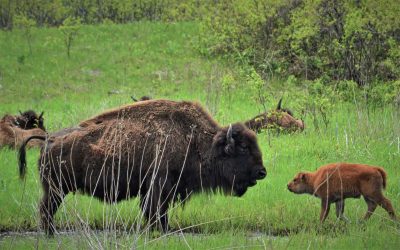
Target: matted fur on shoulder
point(151, 110)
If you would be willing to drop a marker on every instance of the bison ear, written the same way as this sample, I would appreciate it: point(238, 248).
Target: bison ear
point(230, 142)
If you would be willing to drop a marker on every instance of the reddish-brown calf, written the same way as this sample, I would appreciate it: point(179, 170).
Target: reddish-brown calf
point(337, 181)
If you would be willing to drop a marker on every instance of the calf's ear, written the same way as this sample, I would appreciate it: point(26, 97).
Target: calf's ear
point(303, 177)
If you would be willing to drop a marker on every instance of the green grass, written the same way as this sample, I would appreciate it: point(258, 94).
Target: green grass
point(160, 60)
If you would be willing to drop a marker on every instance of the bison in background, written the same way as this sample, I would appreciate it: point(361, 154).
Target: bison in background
point(158, 150)
point(15, 129)
point(143, 98)
point(335, 182)
point(278, 118)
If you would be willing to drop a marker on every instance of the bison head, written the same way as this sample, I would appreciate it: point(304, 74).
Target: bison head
point(299, 184)
point(29, 120)
point(286, 119)
point(238, 158)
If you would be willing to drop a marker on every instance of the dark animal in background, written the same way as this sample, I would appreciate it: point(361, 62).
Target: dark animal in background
point(29, 120)
point(143, 98)
point(161, 150)
point(335, 182)
point(14, 129)
point(279, 118)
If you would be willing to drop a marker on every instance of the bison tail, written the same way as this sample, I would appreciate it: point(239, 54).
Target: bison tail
point(383, 174)
point(22, 154)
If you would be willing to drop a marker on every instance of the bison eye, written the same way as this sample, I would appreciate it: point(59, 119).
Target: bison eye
point(243, 148)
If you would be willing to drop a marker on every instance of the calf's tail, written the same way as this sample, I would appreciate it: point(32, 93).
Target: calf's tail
point(383, 174)
point(22, 154)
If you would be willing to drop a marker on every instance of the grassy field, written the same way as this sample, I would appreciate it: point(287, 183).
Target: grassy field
point(108, 64)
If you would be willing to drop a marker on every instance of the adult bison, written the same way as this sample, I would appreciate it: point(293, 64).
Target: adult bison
point(279, 118)
point(15, 129)
point(158, 150)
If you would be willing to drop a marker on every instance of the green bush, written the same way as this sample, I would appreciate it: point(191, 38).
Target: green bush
point(338, 40)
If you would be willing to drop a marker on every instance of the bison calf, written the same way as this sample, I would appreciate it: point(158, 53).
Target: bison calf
point(337, 181)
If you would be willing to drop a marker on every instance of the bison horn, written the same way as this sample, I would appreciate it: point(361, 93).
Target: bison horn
point(230, 142)
point(20, 112)
point(133, 98)
point(229, 134)
point(41, 115)
point(279, 104)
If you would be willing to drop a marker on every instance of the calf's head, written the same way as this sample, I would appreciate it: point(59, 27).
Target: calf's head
point(299, 184)
point(239, 158)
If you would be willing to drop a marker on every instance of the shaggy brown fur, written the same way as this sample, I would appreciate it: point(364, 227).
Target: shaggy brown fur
point(157, 149)
point(278, 118)
point(15, 129)
point(337, 181)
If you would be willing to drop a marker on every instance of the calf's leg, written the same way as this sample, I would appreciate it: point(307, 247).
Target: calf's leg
point(325, 206)
point(378, 199)
point(371, 207)
point(387, 205)
point(340, 210)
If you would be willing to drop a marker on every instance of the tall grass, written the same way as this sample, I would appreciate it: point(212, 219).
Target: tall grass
point(108, 64)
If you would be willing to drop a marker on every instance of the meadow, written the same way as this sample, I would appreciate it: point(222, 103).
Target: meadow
point(109, 64)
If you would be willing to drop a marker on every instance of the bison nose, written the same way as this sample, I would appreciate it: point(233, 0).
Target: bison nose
point(261, 174)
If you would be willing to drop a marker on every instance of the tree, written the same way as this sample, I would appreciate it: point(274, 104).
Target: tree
point(70, 28)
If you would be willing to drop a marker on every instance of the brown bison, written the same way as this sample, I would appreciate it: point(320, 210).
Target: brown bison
point(279, 118)
point(158, 150)
point(337, 181)
point(15, 129)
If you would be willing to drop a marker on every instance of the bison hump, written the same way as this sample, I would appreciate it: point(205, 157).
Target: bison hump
point(159, 111)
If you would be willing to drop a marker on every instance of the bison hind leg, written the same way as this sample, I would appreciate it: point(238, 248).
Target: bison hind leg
point(371, 207)
point(379, 199)
point(48, 207)
point(387, 205)
point(155, 200)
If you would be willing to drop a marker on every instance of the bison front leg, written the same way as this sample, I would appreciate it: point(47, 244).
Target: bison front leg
point(325, 206)
point(340, 210)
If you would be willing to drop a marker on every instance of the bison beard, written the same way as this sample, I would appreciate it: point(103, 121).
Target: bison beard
point(158, 150)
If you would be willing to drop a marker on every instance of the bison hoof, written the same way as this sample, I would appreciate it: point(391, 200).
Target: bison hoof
point(344, 218)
